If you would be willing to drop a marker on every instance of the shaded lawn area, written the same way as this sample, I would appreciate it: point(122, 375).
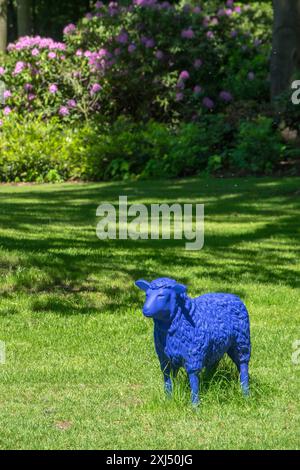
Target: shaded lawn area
point(81, 371)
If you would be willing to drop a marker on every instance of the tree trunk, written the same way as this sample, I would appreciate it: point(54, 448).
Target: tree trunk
point(24, 17)
point(3, 25)
point(285, 58)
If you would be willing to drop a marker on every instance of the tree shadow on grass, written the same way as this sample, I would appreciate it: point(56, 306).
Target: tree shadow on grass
point(53, 231)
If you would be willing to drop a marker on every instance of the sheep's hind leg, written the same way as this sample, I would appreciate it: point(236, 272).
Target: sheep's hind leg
point(194, 384)
point(243, 370)
point(244, 378)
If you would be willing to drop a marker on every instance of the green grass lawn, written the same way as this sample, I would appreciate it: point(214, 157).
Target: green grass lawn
point(81, 370)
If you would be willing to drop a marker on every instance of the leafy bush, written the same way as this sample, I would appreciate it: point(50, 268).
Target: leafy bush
point(149, 60)
point(258, 146)
point(49, 151)
point(187, 149)
point(46, 150)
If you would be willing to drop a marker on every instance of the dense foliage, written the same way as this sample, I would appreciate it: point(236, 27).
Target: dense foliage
point(144, 90)
point(48, 151)
point(147, 60)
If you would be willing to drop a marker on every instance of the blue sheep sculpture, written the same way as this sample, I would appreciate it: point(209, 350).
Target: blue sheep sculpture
point(196, 333)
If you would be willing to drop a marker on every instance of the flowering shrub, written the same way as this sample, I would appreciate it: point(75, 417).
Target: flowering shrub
point(147, 60)
point(40, 77)
point(168, 62)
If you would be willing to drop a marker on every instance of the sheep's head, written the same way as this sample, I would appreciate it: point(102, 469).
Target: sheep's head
point(162, 297)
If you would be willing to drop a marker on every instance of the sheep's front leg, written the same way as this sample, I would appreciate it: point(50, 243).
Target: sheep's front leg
point(166, 370)
point(194, 384)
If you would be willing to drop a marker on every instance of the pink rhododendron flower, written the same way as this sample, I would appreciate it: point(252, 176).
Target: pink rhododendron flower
point(20, 66)
point(197, 89)
point(206, 21)
point(122, 38)
point(99, 5)
point(210, 35)
point(7, 94)
point(53, 88)
point(28, 87)
point(72, 103)
point(113, 8)
point(131, 48)
point(144, 3)
point(30, 42)
point(6, 110)
point(35, 52)
point(187, 33)
point(214, 22)
point(180, 84)
point(79, 53)
point(31, 97)
point(103, 52)
point(159, 55)
point(2, 70)
point(150, 43)
point(95, 89)
point(165, 5)
point(208, 103)
point(97, 60)
point(69, 29)
point(197, 63)
point(184, 75)
point(226, 96)
point(197, 10)
point(52, 55)
point(179, 96)
point(64, 111)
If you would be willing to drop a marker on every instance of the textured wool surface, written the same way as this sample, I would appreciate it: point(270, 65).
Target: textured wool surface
point(212, 325)
point(196, 333)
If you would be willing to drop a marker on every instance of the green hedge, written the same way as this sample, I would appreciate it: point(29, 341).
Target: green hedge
point(48, 151)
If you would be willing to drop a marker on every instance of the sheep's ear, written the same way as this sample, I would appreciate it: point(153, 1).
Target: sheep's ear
point(143, 285)
point(180, 289)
